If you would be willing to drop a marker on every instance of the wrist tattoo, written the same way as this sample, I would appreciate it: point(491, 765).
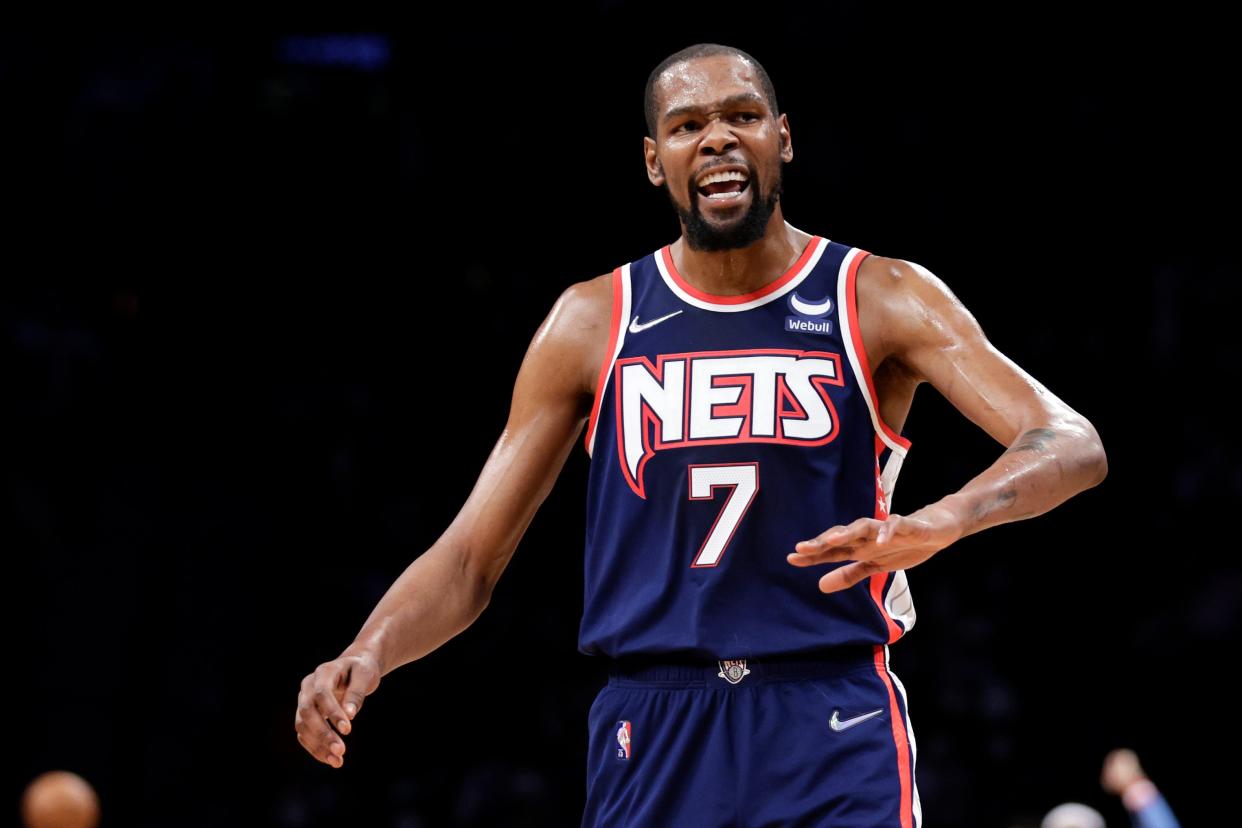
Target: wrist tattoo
point(983, 507)
point(1037, 439)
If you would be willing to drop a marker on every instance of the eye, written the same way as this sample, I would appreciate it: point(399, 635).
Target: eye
point(686, 125)
point(751, 116)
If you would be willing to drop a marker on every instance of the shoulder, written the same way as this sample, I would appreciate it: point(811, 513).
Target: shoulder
point(583, 309)
point(589, 296)
point(888, 279)
point(908, 306)
point(576, 330)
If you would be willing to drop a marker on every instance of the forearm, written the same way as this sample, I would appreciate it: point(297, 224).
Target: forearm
point(434, 599)
point(1044, 467)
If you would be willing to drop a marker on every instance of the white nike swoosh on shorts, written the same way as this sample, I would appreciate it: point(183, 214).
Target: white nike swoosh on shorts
point(836, 724)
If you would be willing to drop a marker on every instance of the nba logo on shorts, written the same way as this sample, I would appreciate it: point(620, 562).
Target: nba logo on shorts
point(623, 739)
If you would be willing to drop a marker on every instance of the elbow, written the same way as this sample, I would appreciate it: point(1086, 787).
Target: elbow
point(483, 594)
point(1100, 465)
point(479, 586)
point(480, 574)
point(1095, 458)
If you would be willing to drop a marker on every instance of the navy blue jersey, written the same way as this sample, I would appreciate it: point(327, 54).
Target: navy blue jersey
point(725, 429)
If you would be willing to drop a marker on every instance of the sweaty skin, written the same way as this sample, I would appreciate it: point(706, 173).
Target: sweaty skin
point(914, 331)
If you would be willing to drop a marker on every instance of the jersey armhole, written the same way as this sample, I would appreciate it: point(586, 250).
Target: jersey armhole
point(847, 286)
point(616, 336)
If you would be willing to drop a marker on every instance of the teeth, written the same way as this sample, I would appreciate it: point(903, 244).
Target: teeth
point(725, 196)
point(731, 175)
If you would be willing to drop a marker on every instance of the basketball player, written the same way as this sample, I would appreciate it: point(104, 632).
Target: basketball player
point(743, 392)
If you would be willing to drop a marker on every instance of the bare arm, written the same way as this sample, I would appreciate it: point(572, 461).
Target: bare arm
point(446, 588)
point(1052, 453)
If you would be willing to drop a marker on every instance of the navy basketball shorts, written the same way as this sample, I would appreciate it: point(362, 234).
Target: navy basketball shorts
point(816, 741)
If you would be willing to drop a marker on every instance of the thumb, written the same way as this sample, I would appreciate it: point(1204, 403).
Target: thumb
point(361, 682)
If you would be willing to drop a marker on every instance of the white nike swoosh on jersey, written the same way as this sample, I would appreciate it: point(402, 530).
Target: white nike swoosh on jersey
point(635, 327)
point(836, 724)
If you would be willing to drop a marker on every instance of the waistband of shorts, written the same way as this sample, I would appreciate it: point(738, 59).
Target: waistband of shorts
point(682, 670)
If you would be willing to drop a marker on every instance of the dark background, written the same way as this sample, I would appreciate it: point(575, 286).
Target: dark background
point(266, 293)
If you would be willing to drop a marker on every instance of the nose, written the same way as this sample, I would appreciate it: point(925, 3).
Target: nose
point(718, 137)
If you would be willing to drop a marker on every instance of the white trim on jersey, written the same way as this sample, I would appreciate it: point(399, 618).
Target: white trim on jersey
point(622, 325)
point(899, 604)
point(892, 467)
point(811, 261)
point(888, 477)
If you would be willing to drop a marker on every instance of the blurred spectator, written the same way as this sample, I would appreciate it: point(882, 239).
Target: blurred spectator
point(1073, 815)
point(1123, 776)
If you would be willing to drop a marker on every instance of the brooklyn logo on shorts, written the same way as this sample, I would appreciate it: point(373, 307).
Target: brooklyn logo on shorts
point(733, 671)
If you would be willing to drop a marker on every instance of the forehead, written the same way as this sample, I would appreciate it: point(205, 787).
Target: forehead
point(700, 82)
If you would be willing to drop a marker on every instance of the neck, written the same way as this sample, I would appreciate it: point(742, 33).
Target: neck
point(745, 269)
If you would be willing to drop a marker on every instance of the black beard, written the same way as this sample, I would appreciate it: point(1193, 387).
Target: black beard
point(703, 235)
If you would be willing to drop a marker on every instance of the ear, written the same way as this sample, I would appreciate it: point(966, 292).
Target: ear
point(786, 140)
point(655, 167)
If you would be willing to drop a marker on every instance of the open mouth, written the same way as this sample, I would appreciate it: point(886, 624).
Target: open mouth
point(721, 193)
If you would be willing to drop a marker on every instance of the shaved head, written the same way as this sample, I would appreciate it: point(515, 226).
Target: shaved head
point(650, 104)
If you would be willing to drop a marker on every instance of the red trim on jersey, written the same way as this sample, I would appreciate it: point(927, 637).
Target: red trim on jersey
point(878, 582)
point(851, 307)
point(714, 299)
point(881, 502)
point(614, 326)
point(899, 738)
point(741, 408)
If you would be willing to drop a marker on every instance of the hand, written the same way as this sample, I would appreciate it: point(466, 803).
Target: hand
point(875, 546)
point(1121, 769)
point(330, 699)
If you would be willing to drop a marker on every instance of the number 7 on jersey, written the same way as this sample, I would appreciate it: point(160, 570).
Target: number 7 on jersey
point(742, 480)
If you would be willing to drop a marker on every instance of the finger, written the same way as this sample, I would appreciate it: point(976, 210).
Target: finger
point(861, 529)
point(848, 575)
point(361, 681)
point(334, 719)
point(313, 718)
point(809, 557)
point(330, 678)
point(880, 556)
point(874, 547)
point(320, 755)
point(311, 735)
point(318, 737)
point(831, 537)
point(867, 538)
